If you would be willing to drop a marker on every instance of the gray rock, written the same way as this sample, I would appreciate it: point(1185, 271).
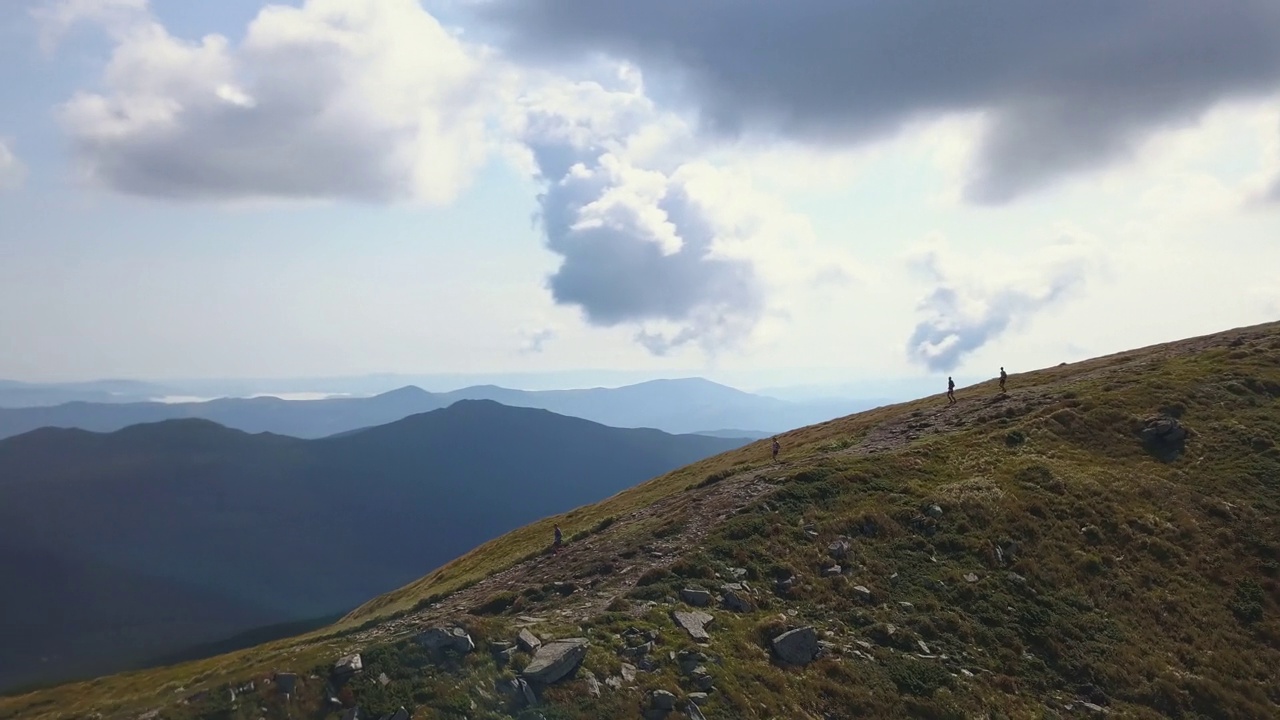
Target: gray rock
point(1163, 430)
point(662, 700)
point(797, 647)
point(628, 672)
point(287, 682)
point(348, 665)
point(439, 638)
point(613, 681)
point(970, 578)
point(703, 679)
point(697, 698)
point(906, 606)
point(400, 714)
point(934, 511)
point(695, 713)
point(839, 549)
point(738, 572)
point(733, 597)
point(832, 571)
point(863, 593)
point(528, 641)
point(639, 650)
point(505, 657)
point(555, 660)
point(688, 661)
point(923, 648)
point(383, 680)
point(696, 597)
point(694, 623)
point(593, 685)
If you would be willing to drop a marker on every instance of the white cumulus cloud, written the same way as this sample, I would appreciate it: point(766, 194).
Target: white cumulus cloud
point(12, 171)
point(372, 101)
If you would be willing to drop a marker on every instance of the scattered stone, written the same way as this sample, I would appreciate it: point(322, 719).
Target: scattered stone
point(628, 672)
point(287, 682)
point(906, 606)
point(149, 715)
point(688, 660)
point(439, 638)
point(383, 680)
point(797, 647)
point(965, 673)
point(864, 594)
point(528, 641)
point(646, 664)
point(614, 682)
point(639, 650)
point(732, 597)
point(400, 714)
point(505, 656)
point(348, 665)
point(934, 511)
point(695, 713)
point(555, 660)
point(832, 571)
point(839, 549)
point(593, 685)
point(702, 679)
point(1096, 709)
point(662, 700)
point(1163, 430)
point(694, 623)
point(923, 648)
point(738, 572)
point(970, 578)
point(696, 597)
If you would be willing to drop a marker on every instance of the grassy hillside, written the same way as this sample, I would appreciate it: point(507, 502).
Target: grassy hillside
point(1015, 555)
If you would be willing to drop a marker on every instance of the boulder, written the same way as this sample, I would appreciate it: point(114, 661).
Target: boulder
point(348, 665)
point(863, 593)
point(696, 597)
point(593, 685)
point(733, 597)
point(528, 641)
point(694, 623)
point(934, 511)
point(1163, 430)
point(662, 700)
point(400, 714)
point(556, 659)
point(439, 638)
point(832, 571)
point(695, 713)
point(797, 647)
point(839, 549)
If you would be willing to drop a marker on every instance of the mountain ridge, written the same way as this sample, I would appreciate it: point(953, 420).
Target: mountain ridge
point(1099, 539)
point(290, 528)
point(678, 406)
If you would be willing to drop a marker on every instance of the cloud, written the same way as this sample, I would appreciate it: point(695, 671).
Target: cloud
point(638, 248)
point(1064, 87)
point(55, 18)
point(534, 341)
point(13, 172)
point(973, 302)
point(371, 101)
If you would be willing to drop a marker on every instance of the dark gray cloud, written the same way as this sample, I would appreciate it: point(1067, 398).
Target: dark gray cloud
point(636, 248)
point(1068, 86)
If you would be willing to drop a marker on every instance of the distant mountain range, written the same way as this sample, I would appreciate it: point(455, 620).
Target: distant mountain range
point(691, 405)
point(121, 548)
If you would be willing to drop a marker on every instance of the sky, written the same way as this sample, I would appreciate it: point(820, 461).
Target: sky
point(777, 193)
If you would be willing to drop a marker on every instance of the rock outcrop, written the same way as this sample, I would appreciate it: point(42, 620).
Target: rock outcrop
point(439, 638)
point(797, 647)
point(555, 660)
point(694, 623)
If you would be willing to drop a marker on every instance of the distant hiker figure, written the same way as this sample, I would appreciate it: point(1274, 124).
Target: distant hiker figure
point(1003, 376)
point(559, 541)
point(951, 391)
point(775, 448)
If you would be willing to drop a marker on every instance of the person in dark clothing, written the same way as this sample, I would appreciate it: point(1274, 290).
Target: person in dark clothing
point(775, 448)
point(1003, 377)
point(558, 539)
point(951, 391)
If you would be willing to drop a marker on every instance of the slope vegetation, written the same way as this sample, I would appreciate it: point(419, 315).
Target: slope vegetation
point(1100, 539)
point(123, 547)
